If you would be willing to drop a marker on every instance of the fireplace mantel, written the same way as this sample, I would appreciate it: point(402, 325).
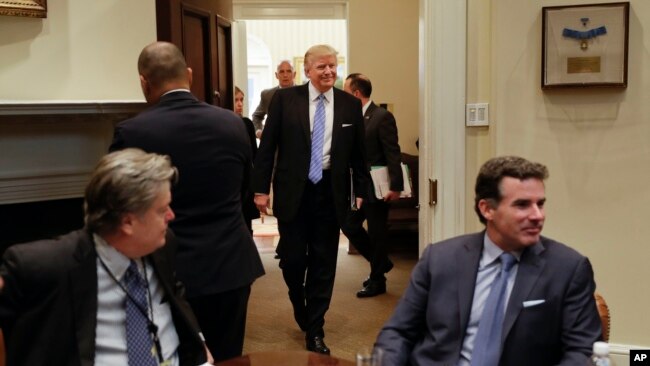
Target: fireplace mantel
point(49, 148)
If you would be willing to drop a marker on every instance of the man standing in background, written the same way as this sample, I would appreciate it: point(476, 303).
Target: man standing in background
point(317, 133)
point(382, 149)
point(217, 259)
point(285, 75)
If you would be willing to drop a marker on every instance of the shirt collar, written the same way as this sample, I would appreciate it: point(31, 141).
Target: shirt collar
point(364, 109)
point(116, 262)
point(314, 93)
point(491, 252)
point(176, 90)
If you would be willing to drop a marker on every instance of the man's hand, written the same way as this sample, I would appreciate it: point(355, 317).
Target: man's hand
point(258, 134)
point(209, 355)
point(262, 202)
point(391, 196)
point(359, 202)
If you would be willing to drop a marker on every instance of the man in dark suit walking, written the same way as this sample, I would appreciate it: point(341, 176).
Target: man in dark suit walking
point(382, 149)
point(67, 301)
point(317, 132)
point(217, 259)
point(285, 75)
point(506, 296)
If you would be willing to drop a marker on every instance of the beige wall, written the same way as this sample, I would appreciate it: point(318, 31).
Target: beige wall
point(383, 44)
point(595, 143)
point(83, 50)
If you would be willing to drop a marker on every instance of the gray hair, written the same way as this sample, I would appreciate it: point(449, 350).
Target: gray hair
point(125, 181)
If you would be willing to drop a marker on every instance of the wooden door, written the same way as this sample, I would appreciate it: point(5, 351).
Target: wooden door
point(202, 30)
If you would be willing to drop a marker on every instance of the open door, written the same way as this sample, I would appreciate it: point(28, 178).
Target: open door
point(202, 30)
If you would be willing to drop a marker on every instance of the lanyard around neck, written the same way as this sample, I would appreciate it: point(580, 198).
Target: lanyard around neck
point(151, 326)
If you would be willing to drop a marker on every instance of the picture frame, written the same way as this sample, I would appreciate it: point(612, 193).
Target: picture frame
point(585, 45)
point(24, 8)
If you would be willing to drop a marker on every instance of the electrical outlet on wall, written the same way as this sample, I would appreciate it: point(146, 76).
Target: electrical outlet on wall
point(477, 114)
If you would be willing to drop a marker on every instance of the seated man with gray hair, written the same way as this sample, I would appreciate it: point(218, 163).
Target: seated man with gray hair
point(105, 294)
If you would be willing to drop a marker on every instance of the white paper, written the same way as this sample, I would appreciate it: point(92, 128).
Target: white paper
point(381, 181)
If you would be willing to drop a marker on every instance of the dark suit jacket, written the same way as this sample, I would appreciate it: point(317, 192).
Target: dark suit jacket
point(211, 149)
point(260, 112)
point(428, 325)
point(382, 148)
point(48, 306)
point(288, 132)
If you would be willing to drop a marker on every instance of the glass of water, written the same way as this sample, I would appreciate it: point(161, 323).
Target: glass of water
point(368, 356)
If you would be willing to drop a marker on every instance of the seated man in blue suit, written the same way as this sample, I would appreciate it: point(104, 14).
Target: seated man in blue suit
point(506, 296)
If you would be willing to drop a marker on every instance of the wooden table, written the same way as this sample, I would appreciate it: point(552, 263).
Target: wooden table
point(286, 358)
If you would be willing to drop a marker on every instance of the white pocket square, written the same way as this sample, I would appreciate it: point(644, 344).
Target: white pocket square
point(346, 125)
point(531, 303)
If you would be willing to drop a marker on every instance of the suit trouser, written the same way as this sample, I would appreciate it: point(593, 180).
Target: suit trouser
point(308, 254)
point(222, 318)
point(372, 244)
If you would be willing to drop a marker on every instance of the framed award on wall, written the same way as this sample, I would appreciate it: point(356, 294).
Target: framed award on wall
point(585, 46)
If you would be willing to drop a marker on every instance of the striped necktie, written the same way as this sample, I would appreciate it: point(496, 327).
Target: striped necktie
point(317, 140)
point(487, 344)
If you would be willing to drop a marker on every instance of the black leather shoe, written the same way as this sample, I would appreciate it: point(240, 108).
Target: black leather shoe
point(373, 288)
point(388, 268)
point(317, 344)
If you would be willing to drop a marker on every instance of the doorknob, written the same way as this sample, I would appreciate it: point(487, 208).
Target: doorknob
point(217, 94)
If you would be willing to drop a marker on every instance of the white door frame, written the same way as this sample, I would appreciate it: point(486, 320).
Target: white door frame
point(443, 42)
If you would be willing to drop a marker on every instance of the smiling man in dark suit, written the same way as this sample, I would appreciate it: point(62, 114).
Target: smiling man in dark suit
point(217, 259)
point(382, 149)
point(66, 301)
point(506, 296)
point(317, 132)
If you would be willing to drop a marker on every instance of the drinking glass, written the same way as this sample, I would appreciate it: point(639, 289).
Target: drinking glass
point(368, 356)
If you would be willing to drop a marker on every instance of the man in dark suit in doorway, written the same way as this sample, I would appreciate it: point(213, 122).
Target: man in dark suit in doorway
point(285, 75)
point(317, 132)
point(382, 149)
point(217, 259)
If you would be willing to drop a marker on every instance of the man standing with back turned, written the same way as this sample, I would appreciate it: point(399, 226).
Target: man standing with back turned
point(317, 131)
point(285, 75)
point(382, 149)
point(505, 296)
point(217, 259)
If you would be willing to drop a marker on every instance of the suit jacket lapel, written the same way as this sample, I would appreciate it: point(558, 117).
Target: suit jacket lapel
point(338, 120)
point(303, 113)
point(467, 264)
point(83, 287)
point(530, 268)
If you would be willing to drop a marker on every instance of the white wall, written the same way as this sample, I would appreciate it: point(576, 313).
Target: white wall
point(595, 143)
point(384, 46)
point(83, 50)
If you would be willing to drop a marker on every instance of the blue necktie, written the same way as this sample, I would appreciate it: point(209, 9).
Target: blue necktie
point(139, 343)
point(317, 140)
point(487, 344)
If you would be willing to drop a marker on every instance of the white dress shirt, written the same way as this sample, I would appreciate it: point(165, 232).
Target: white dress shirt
point(329, 119)
point(110, 332)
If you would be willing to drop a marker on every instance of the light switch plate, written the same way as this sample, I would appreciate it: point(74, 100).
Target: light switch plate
point(477, 114)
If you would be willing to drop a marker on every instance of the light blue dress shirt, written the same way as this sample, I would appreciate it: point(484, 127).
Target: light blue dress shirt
point(489, 267)
point(110, 332)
